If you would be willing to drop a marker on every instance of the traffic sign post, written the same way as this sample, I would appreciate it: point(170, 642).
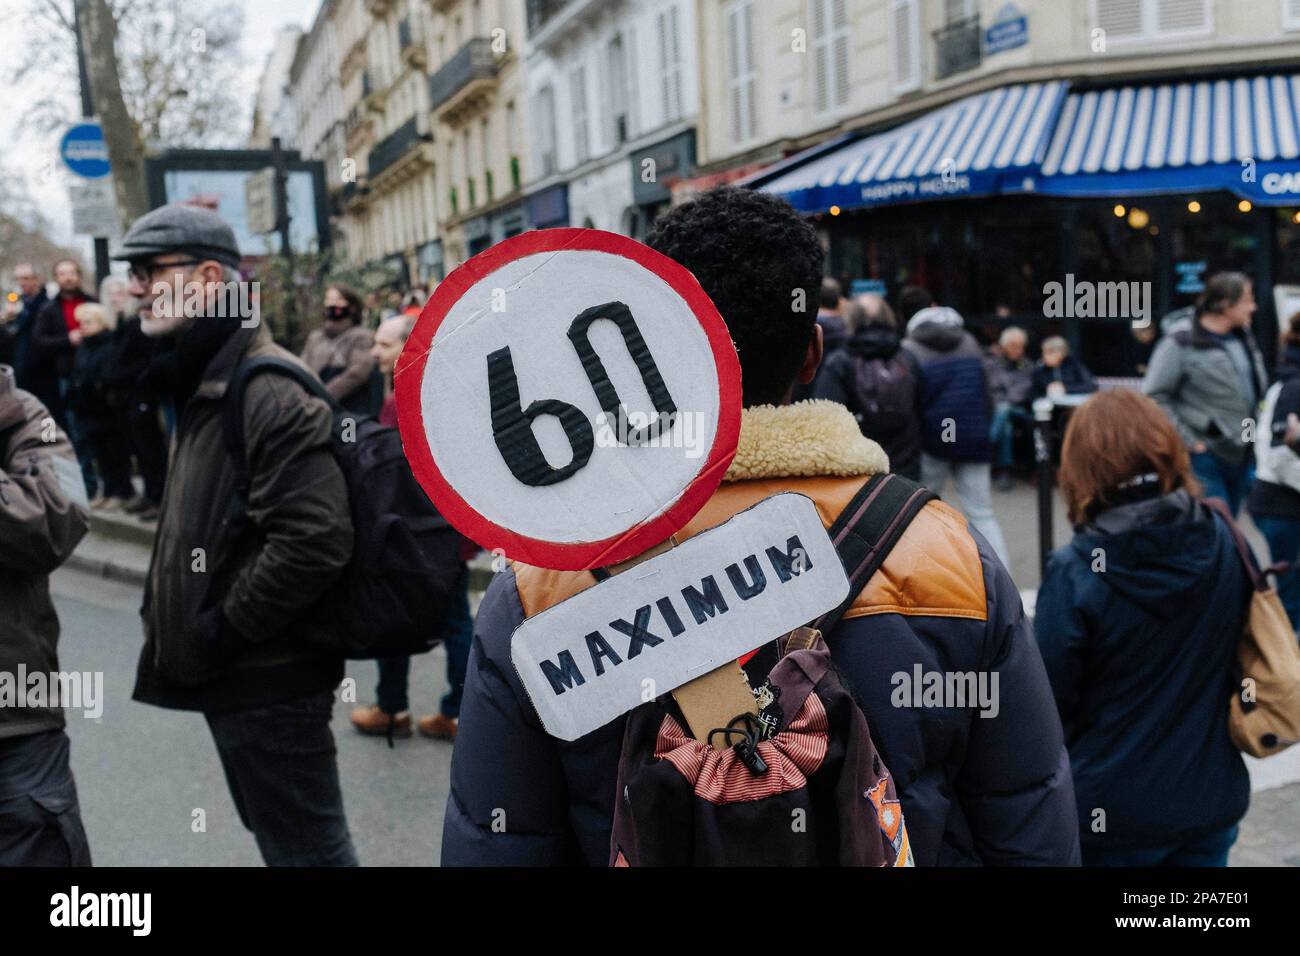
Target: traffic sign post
point(84, 151)
point(259, 196)
point(569, 398)
point(90, 189)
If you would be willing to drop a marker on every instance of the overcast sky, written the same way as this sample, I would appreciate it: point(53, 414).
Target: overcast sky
point(25, 153)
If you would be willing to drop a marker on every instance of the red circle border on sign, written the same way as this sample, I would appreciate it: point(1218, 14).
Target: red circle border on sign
point(408, 376)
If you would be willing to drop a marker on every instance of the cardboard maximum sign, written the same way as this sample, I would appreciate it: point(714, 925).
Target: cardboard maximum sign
point(679, 615)
point(569, 398)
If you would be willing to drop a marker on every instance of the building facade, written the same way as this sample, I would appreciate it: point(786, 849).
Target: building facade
point(273, 113)
point(476, 96)
point(614, 96)
point(317, 100)
point(986, 148)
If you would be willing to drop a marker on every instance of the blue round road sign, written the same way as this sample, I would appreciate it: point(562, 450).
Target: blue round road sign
point(84, 151)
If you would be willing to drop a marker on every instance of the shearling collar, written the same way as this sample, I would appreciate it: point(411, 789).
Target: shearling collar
point(816, 438)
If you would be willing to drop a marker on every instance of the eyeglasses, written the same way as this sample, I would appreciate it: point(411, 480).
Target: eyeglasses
point(142, 273)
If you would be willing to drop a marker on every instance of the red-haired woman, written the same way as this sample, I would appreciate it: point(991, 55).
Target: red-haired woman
point(1137, 620)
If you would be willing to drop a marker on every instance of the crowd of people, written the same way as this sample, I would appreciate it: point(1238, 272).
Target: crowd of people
point(1114, 696)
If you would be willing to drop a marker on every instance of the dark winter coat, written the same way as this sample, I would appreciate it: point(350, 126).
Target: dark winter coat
point(16, 337)
point(42, 518)
point(954, 392)
point(220, 636)
point(1071, 373)
point(88, 392)
point(1140, 658)
point(838, 381)
point(51, 350)
point(974, 789)
point(1010, 383)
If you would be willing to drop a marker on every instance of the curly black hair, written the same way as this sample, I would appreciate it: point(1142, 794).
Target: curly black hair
point(754, 255)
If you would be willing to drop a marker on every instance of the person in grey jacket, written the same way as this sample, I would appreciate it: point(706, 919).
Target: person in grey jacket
point(43, 515)
point(1210, 380)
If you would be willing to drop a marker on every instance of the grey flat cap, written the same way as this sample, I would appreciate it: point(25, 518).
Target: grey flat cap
point(181, 228)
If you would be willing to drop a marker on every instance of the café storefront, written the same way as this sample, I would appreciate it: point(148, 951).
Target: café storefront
point(992, 200)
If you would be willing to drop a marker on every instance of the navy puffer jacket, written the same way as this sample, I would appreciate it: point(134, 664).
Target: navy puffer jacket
point(1139, 655)
point(975, 789)
point(954, 391)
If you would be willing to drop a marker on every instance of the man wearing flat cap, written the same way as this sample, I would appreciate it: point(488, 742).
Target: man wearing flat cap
point(221, 613)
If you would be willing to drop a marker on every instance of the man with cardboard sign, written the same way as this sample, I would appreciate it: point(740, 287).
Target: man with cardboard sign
point(925, 592)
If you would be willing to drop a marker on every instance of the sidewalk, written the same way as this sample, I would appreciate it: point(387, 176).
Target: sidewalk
point(118, 545)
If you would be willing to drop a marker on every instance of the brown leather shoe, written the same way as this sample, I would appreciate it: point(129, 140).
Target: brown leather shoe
point(373, 721)
point(438, 727)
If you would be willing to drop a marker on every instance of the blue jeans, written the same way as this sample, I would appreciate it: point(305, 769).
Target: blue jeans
point(1207, 849)
point(974, 488)
point(1222, 480)
point(1002, 431)
point(282, 769)
point(457, 634)
point(1283, 537)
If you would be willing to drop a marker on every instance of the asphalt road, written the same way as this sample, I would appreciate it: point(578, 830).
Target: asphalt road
point(143, 771)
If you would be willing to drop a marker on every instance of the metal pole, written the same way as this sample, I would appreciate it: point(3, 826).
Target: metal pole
point(88, 111)
point(1043, 457)
point(281, 199)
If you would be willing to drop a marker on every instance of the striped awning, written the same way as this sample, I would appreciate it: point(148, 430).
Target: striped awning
point(987, 143)
point(1240, 134)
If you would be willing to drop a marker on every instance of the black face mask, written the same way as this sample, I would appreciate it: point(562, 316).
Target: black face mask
point(336, 312)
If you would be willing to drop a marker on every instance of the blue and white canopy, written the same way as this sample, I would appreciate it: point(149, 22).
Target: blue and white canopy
point(987, 143)
point(1241, 135)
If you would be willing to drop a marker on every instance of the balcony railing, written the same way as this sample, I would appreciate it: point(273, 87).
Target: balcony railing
point(474, 61)
point(411, 42)
point(957, 47)
point(395, 145)
point(541, 12)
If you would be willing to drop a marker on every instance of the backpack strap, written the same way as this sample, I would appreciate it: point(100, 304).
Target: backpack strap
point(233, 412)
point(867, 530)
point(1257, 578)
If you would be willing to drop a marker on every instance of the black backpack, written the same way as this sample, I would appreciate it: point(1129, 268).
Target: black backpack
point(405, 566)
point(886, 393)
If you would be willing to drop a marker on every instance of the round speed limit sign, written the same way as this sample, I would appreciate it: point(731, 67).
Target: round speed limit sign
point(569, 398)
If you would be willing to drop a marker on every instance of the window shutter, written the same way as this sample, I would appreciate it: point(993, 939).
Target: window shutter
point(1120, 18)
point(578, 92)
point(740, 70)
point(840, 51)
point(1182, 16)
point(905, 17)
point(1291, 14)
point(821, 57)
